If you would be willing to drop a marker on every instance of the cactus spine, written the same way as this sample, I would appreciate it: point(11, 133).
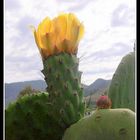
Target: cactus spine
point(122, 87)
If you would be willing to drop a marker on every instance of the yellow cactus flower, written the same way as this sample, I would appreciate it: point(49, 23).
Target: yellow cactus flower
point(61, 34)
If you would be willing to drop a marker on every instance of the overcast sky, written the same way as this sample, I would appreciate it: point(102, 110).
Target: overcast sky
point(110, 32)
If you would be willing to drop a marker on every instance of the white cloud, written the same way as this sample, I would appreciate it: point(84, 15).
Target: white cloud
point(123, 16)
point(110, 31)
point(12, 4)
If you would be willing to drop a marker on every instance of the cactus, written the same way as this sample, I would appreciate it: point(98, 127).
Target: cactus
point(48, 117)
point(104, 124)
point(64, 87)
point(28, 118)
point(58, 46)
point(122, 87)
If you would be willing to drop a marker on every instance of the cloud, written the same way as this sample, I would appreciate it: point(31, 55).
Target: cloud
point(98, 71)
point(74, 5)
point(19, 39)
point(23, 24)
point(122, 16)
point(23, 76)
point(79, 5)
point(12, 5)
point(109, 35)
point(22, 58)
point(22, 68)
point(102, 63)
point(118, 49)
point(24, 32)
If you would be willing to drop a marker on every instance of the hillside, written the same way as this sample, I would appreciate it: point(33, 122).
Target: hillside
point(12, 89)
point(99, 84)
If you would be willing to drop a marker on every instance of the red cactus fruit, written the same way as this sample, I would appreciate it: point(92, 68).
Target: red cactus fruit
point(103, 102)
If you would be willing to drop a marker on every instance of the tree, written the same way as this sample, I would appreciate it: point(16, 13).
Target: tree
point(27, 91)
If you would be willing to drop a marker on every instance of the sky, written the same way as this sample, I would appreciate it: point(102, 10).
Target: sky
point(110, 33)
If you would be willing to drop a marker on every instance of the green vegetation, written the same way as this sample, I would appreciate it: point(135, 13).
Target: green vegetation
point(122, 87)
point(28, 91)
point(104, 124)
point(28, 119)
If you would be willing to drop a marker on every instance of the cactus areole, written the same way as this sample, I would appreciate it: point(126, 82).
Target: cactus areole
point(57, 41)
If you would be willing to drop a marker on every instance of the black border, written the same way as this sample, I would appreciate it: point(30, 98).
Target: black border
point(2, 67)
point(137, 77)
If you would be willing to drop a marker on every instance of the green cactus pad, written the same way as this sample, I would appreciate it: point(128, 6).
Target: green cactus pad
point(104, 124)
point(122, 87)
point(28, 119)
point(64, 88)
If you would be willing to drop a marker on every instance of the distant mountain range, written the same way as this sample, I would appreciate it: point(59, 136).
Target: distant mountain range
point(99, 84)
point(12, 89)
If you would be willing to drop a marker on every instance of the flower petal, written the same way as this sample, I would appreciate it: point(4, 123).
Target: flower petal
point(81, 31)
point(62, 34)
point(36, 39)
point(45, 26)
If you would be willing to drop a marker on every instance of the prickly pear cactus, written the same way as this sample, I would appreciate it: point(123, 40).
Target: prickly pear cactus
point(122, 87)
point(28, 119)
point(104, 124)
point(58, 46)
point(47, 118)
point(64, 87)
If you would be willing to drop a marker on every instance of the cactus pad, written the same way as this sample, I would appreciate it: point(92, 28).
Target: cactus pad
point(104, 124)
point(28, 119)
point(122, 87)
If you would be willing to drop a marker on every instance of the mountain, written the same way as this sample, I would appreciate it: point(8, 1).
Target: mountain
point(12, 89)
point(99, 84)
